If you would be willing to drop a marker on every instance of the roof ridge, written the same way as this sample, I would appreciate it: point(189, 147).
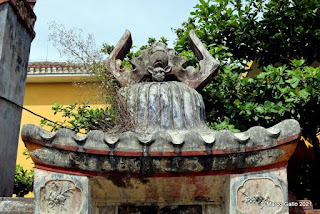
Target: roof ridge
point(57, 68)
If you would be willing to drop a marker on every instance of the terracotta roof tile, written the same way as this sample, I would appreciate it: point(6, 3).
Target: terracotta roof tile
point(38, 68)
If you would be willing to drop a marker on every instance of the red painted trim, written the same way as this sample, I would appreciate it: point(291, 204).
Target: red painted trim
point(223, 152)
point(65, 147)
point(173, 154)
point(128, 154)
point(95, 151)
point(32, 140)
point(255, 148)
point(193, 153)
point(168, 154)
point(193, 174)
point(288, 139)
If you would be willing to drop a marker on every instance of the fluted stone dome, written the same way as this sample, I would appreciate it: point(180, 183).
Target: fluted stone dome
point(165, 105)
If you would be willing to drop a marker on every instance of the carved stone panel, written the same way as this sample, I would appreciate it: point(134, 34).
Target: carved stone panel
point(263, 192)
point(60, 196)
point(259, 195)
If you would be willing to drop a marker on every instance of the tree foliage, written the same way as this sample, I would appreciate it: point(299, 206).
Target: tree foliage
point(80, 117)
point(268, 30)
point(238, 31)
point(23, 179)
point(277, 93)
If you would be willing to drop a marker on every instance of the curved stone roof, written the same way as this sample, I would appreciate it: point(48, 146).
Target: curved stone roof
point(179, 151)
point(166, 142)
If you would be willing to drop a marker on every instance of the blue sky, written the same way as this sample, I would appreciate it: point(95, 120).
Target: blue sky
point(107, 21)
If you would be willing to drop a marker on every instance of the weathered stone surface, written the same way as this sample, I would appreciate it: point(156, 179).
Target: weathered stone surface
point(259, 192)
point(159, 63)
point(10, 205)
point(107, 209)
point(165, 105)
point(166, 142)
point(61, 193)
point(15, 43)
point(23, 10)
point(162, 191)
point(200, 193)
point(60, 196)
point(149, 166)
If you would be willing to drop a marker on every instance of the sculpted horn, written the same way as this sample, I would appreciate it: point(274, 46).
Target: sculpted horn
point(158, 60)
point(208, 65)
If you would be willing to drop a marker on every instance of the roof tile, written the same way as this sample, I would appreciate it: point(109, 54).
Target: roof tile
point(56, 68)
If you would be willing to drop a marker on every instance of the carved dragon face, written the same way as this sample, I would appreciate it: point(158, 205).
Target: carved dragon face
point(158, 74)
point(161, 61)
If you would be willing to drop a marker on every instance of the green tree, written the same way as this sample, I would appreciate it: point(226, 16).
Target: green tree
point(80, 117)
point(267, 31)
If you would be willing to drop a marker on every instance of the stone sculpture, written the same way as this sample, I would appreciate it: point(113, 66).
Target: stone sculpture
point(162, 60)
point(171, 157)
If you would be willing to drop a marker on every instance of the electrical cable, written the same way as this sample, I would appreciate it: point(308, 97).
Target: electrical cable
point(17, 105)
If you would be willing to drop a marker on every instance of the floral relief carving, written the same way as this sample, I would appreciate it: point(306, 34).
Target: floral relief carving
point(260, 195)
point(60, 196)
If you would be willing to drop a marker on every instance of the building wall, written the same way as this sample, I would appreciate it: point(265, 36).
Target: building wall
point(40, 97)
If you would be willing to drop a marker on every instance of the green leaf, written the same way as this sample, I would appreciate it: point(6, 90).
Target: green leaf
point(237, 102)
point(294, 81)
point(267, 104)
point(304, 94)
point(261, 75)
point(289, 100)
point(297, 63)
point(259, 109)
point(295, 84)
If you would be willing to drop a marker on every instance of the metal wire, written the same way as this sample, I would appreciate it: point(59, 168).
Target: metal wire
point(17, 105)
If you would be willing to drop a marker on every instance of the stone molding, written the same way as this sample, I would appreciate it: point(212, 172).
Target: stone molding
point(165, 142)
point(128, 152)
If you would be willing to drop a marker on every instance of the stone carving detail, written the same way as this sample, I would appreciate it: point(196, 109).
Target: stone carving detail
point(166, 105)
point(168, 139)
point(162, 64)
point(60, 196)
point(145, 165)
point(158, 73)
point(260, 195)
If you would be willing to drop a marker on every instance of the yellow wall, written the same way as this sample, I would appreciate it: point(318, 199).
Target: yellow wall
point(40, 97)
